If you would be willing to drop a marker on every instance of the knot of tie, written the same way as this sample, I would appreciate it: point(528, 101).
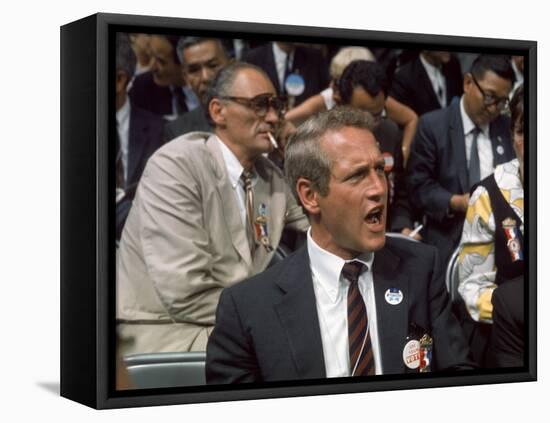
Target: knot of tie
point(352, 270)
point(246, 177)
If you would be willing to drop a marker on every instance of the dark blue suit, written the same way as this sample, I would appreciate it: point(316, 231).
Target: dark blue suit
point(267, 327)
point(437, 169)
point(144, 138)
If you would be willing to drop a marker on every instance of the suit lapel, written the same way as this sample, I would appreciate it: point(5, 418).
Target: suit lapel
point(231, 210)
point(392, 319)
point(297, 312)
point(273, 204)
point(271, 68)
point(498, 144)
point(425, 84)
point(137, 144)
point(458, 145)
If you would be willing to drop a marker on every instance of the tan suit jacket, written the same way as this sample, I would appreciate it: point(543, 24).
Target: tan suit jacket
point(184, 241)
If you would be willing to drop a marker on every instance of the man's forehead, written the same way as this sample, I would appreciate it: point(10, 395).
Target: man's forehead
point(491, 79)
point(349, 139)
point(204, 50)
point(251, 83)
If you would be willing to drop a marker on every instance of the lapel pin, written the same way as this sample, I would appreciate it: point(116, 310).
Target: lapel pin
point(411, 354)
point(394, 296)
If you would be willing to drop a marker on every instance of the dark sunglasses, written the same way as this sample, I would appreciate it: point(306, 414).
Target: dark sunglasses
point(261, 104)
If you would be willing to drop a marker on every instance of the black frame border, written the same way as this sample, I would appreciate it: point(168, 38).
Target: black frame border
point(87, 212)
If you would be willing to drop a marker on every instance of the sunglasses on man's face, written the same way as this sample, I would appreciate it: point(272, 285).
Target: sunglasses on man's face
point(261, 103)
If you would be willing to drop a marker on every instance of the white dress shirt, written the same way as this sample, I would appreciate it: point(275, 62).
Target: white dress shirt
point(123, 129)
point(234, 171)
point(484, 147)
point(331, 291)
point(281, 64)
point(437, 79)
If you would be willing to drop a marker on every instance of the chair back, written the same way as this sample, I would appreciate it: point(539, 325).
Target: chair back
point(166, 370)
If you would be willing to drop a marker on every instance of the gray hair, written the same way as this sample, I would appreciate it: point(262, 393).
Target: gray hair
point(125, 57)
point(186, 42)
point(223, 82)
point(304, 157)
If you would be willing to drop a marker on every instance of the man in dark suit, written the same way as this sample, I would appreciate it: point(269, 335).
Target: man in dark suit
point(139, 134)
point(364, 85)
point(202, 59)
point(163, 91)
point(507, 347)
point(454, 148)
point(346, 304)
point(281, 60)
point(429, 82)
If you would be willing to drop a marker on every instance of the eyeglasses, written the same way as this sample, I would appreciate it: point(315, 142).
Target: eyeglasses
point(490, 99)
point(261, 104)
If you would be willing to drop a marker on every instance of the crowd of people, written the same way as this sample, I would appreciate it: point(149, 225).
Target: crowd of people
point(291, 209)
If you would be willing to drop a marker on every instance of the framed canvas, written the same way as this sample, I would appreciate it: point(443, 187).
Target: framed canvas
point(93, 371)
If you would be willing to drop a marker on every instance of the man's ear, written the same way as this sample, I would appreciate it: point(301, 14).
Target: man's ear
point(121, 81)
point(308, 196)
point(217, 112)
point(467, 82)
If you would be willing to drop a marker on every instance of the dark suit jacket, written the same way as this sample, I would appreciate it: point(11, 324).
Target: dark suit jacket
point(437, 169)
point(145, 137)
point(411, 85)
point(195, 120)
point(308, 62)
point(267, 327)
point(389, 136)
point(507, 347)
point(147, 95)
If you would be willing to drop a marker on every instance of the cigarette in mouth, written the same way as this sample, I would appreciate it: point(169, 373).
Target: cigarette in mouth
point(273, 142)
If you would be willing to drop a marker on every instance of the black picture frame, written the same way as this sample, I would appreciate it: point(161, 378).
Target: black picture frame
point(87, 211)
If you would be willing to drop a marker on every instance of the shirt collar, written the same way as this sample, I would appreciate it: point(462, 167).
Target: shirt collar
point(431, 70)
point(517, 73)
point(281, 55)
point(123, 114)
point(327, 267)
point(232, 164)
point(468, 124)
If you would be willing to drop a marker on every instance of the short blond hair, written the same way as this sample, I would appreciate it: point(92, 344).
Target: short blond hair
point(345, 56)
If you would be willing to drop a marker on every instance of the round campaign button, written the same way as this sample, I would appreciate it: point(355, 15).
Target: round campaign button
point(388, 162)
point(500, 150)
point(393, 296)
point(411, 354)
point(295, 85)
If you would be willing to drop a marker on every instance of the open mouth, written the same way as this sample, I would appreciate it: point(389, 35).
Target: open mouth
point(375, 215)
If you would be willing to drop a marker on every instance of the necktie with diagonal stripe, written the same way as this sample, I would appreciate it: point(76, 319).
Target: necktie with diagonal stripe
point(246, 177)
point(360, 347)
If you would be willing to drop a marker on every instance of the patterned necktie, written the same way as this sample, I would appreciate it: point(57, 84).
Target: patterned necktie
point(473, 168)
point(120, 179)
point(360, 349)
point(246, 177)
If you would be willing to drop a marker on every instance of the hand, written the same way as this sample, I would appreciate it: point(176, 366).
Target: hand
point(407, 231)
point(283, 133)
point(459, 203)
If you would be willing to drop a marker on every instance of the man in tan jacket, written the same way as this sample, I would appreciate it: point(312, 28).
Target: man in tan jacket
point(196, 225)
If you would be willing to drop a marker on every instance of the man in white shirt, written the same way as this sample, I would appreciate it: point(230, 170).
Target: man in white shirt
point(209, 212)
point(455, 147)
point(351, 302)
point(138, 133)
